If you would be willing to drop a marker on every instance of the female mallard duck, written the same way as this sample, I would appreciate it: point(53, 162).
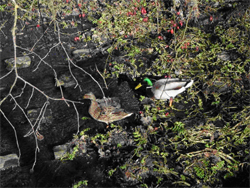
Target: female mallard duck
point(105, 110)
point(167, 89)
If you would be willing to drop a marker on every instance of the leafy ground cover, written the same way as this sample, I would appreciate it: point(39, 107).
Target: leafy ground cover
point(203, 139)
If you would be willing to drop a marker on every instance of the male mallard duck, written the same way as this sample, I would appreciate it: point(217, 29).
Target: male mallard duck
point(105, 110)
point(167, 89)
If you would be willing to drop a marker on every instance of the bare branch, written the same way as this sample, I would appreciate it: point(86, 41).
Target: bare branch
point(77, 114)
point(17, 143)
point(101, 76)
point(30, 98)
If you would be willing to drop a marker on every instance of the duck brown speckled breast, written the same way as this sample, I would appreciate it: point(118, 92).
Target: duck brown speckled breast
point(105, 112)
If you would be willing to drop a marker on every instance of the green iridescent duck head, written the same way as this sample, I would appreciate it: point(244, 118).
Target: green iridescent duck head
point(146, 81)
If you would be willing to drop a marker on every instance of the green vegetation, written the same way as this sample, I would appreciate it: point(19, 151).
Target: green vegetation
point(81, 184)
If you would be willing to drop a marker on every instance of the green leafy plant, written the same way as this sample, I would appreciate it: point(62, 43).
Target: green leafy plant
point(81, 184)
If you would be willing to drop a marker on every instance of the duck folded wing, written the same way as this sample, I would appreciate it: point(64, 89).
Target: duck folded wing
point(167, 94)
point(169, 88)
point(168, 85)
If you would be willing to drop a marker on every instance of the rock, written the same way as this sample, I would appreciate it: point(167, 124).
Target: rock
point(34, 113)
point(3, 87)
point(119, 137)
point(65, 80)
point(218, 86)
point(21, 62)
point(224, 56)
point(83, 51)
point(8, 161)
point(146, 120)
point(47, 119)
point(78, 146)
point(60, 150)
point(100, 39)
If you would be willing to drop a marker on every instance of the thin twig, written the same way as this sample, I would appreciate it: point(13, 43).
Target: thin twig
point(101, 76)
point(77, 116)
point(17, 143)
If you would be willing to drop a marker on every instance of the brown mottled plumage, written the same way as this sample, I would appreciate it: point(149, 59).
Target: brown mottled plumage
point(105, 111)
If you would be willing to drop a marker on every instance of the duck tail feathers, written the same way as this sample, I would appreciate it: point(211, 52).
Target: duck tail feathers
point(189, 84)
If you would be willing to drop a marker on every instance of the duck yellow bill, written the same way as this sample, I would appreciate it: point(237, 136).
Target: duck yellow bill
point(138, 86)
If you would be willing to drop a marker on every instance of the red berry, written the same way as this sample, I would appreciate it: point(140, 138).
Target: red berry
point(181, 23)
point(38, 25)
point(83, 15)
point(79, 5)
point(197, 48)
point(178, 13)
point(167, 114)
point(76, 39)
point(145, 19)
point(172, 31)
point(211, 18)
point(177, 27)
point(80, 15)
point(160, 37)
point(67, 1)
point(143, 11)
point(166, 46)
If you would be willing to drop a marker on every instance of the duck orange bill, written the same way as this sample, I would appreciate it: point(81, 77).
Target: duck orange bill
point(170, 102)
point(138, 86)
